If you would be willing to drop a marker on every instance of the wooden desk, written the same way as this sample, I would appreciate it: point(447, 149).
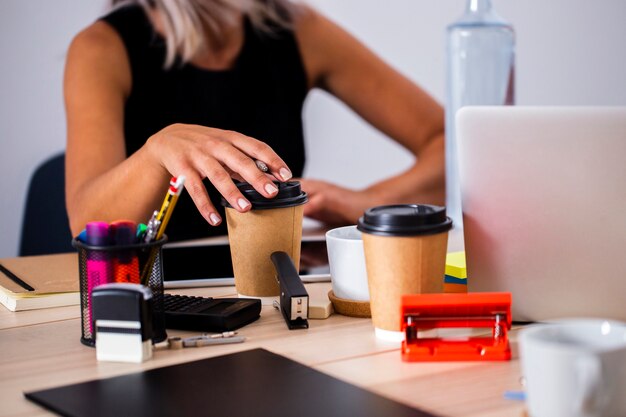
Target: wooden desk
point(41, 349)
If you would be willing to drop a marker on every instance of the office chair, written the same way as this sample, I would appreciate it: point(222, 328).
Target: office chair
point(45, 227)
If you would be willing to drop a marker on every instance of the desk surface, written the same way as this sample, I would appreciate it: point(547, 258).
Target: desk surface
point(41, 349)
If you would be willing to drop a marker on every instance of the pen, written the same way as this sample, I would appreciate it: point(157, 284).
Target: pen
point(199, 341)
point(125, 264)
point(152, 228)
point(206, 341)
point(15, 278)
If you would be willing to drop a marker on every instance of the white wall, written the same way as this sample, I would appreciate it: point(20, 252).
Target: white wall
point(569, 52)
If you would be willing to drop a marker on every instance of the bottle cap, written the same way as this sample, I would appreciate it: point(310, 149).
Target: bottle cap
point(289, 194)
point(405, 220)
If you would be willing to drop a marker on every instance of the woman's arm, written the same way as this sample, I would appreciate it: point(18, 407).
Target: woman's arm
point(102, 183)
point(337, 62)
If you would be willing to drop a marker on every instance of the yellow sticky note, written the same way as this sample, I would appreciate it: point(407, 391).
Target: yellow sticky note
point(455, 265)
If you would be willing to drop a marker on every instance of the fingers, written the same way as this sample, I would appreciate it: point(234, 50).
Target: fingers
point(327, 203)
point(235, 160)
point(200, 197)
point(316, 209)
point(262, 152)
point(221, 180)
point(234, 175)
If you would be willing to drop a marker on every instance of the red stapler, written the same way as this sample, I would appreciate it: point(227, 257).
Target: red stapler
point(423, 312)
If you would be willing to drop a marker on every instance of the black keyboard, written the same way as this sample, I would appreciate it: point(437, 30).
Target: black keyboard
point(206, 314)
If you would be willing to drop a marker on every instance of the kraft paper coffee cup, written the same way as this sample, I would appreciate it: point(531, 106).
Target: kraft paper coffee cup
point(405, 253)
point(271, 225)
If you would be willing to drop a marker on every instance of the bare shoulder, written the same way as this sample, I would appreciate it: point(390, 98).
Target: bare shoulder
point(319, 39)
point(327, 49)
point(99, 47)
point(311, 23)
point(97, 39)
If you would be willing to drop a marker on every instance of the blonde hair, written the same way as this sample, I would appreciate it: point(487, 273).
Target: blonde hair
point(190, 25)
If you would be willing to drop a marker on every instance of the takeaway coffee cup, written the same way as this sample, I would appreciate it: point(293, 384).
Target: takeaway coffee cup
point(405, 253)
point(271, 225)
point(575, 368)
point(347, 263)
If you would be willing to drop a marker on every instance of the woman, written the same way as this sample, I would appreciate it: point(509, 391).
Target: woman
point(203, 88)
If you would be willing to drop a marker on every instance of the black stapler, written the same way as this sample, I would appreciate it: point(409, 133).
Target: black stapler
point(294, 299)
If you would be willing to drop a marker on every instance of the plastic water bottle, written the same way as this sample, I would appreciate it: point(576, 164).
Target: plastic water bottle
point(481, 71)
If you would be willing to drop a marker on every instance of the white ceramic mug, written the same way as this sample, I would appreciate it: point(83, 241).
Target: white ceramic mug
point(347, 263)
point(575, 368)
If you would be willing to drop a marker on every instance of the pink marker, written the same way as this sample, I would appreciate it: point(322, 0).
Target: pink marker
point(99, 266)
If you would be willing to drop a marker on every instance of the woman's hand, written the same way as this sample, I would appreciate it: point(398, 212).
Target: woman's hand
point(199, 152)
point(335, 205)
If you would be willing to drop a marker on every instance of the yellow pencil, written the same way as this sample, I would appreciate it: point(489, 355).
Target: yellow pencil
point(176, 187)
point(159, 221)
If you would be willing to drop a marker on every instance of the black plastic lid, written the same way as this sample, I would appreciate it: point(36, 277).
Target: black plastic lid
point(289, 194)
point(405, 220)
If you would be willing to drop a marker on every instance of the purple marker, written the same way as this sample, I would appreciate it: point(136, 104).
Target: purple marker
point(99, 267)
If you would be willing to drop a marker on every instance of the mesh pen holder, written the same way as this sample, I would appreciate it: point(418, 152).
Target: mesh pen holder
point(136, 263)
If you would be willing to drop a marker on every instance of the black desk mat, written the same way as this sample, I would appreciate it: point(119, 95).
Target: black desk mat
point(253, 383)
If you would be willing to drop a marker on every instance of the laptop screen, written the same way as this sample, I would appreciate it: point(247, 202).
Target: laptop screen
point(206, 262)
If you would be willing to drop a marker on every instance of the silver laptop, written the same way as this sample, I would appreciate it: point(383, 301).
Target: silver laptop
point(544, 207)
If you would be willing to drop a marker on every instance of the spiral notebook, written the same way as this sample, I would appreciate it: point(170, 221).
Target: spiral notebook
point(250, 383)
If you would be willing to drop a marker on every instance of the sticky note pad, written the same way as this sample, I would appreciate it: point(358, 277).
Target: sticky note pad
point(455, 280)
point(320, 306)
point(454, 288)
point(455, 265)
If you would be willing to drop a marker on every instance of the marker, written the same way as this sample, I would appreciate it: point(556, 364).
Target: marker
point(125, 264)
point(99, 268)
point(141, 231)
point(82, 236)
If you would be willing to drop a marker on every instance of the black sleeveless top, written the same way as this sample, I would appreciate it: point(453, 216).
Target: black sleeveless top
point(261, 96)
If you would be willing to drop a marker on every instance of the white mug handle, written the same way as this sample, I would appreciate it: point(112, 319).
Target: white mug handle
point(591, 394)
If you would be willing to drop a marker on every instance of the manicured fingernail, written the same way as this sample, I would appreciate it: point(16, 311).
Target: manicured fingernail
point(215, 219)
point(243, 204)
point(270, 188)
point(285, 174)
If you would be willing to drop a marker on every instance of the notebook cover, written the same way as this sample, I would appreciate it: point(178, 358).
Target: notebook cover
point(250, 383)
point(45, 273)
